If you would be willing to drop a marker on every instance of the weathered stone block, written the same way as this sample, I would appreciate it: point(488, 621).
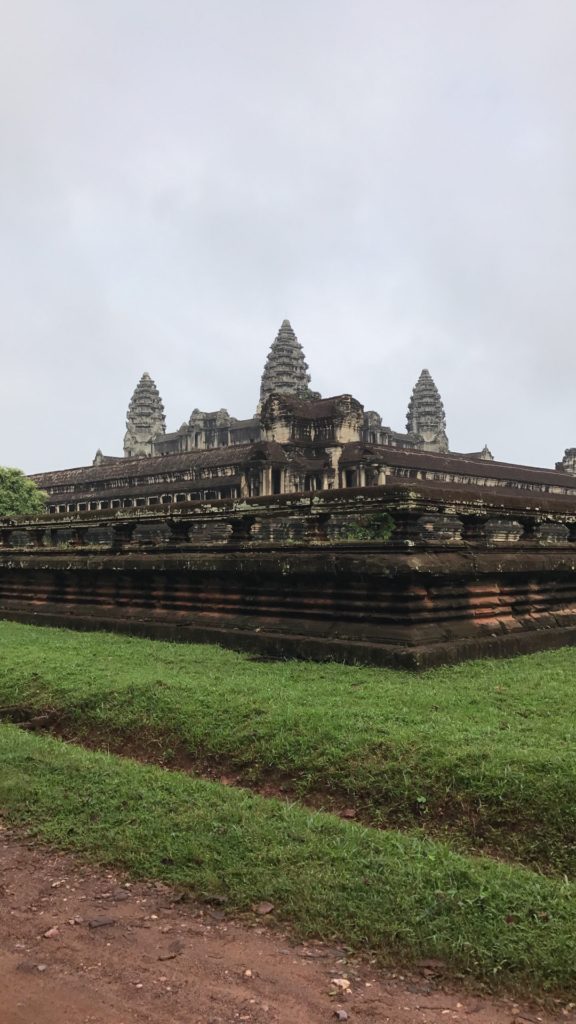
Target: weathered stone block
point(503, 531)
point(318, 577)
point(440, 528)
point(552, 533)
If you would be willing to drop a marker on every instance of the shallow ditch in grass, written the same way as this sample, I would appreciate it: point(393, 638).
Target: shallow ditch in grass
point(397, 896)
point(463, 832)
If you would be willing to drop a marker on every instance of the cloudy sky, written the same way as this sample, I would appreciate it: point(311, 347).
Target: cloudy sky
point(397, 177)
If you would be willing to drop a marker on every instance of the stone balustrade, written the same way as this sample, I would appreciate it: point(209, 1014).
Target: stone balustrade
point(410, 575)
point(401, 516)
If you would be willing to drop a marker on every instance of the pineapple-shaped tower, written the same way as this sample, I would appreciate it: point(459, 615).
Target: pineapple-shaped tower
point(426, 415)
point(145, 419)
point(286, 369)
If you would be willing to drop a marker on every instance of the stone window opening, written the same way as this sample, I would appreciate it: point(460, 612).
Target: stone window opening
point(324, 432)
point(303, 432)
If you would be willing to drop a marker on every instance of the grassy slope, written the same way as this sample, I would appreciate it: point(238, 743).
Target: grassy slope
point(487, 746)
point(392, 893)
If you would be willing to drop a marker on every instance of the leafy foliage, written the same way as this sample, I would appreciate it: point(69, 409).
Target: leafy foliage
point(378, 527)
point(19, 496)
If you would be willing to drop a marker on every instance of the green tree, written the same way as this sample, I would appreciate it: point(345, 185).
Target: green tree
point(19, 496)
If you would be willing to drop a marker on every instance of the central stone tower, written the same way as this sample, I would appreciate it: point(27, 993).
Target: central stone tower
point(286, 369)
point(145, 419)
point(426, 415)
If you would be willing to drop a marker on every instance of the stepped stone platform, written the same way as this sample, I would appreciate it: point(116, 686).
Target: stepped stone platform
point(410, 575)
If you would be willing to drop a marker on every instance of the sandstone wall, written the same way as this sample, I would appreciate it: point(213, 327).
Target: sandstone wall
point(406, 576)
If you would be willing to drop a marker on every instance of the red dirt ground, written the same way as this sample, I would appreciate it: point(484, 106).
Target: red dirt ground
point(84, 946)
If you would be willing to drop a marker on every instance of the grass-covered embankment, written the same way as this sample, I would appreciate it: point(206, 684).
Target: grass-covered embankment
point(401, 896)
point(485, 750)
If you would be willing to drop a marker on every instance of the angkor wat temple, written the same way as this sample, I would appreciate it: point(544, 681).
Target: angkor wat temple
point(296, 441)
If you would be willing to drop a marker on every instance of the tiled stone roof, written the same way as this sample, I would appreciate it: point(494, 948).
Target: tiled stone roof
point(453, 463)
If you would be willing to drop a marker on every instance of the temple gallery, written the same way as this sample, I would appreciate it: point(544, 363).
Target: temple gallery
point(296, 441)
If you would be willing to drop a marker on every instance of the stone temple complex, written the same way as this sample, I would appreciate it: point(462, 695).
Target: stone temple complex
point(297, 441)
point(309, 530)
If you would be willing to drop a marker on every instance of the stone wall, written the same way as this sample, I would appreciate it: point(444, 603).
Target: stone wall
point(405, 575)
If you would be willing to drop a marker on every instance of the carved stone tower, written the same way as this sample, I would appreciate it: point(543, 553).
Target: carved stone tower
point(568, 464)
point(286, 370)
point(145, 419)
point(426, 415)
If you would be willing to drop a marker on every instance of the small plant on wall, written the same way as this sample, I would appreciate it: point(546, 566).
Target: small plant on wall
point(378, 527)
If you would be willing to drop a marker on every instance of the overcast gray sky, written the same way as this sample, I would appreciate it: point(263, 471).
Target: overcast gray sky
point(397, 177)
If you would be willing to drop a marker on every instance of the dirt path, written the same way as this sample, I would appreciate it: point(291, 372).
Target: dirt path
point(85, 946)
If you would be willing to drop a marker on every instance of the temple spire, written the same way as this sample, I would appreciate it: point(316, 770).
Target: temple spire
point(568, 464)
point(426, 415)
point(286, 369)
point(145, 418)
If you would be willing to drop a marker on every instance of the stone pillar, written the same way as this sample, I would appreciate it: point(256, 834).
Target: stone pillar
point(241, 529)
point(553, 533)
point(78, 538)
point(474, 531)
point(503, 531)
point(437, 528)
point(407, 532)
point(122, 535)
point(179, 530)
point(316, 527)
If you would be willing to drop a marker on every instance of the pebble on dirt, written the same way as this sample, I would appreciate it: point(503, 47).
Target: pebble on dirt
point(263, 908)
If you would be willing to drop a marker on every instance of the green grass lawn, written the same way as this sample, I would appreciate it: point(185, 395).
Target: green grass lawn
point(400, 896)
point(483, 752)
